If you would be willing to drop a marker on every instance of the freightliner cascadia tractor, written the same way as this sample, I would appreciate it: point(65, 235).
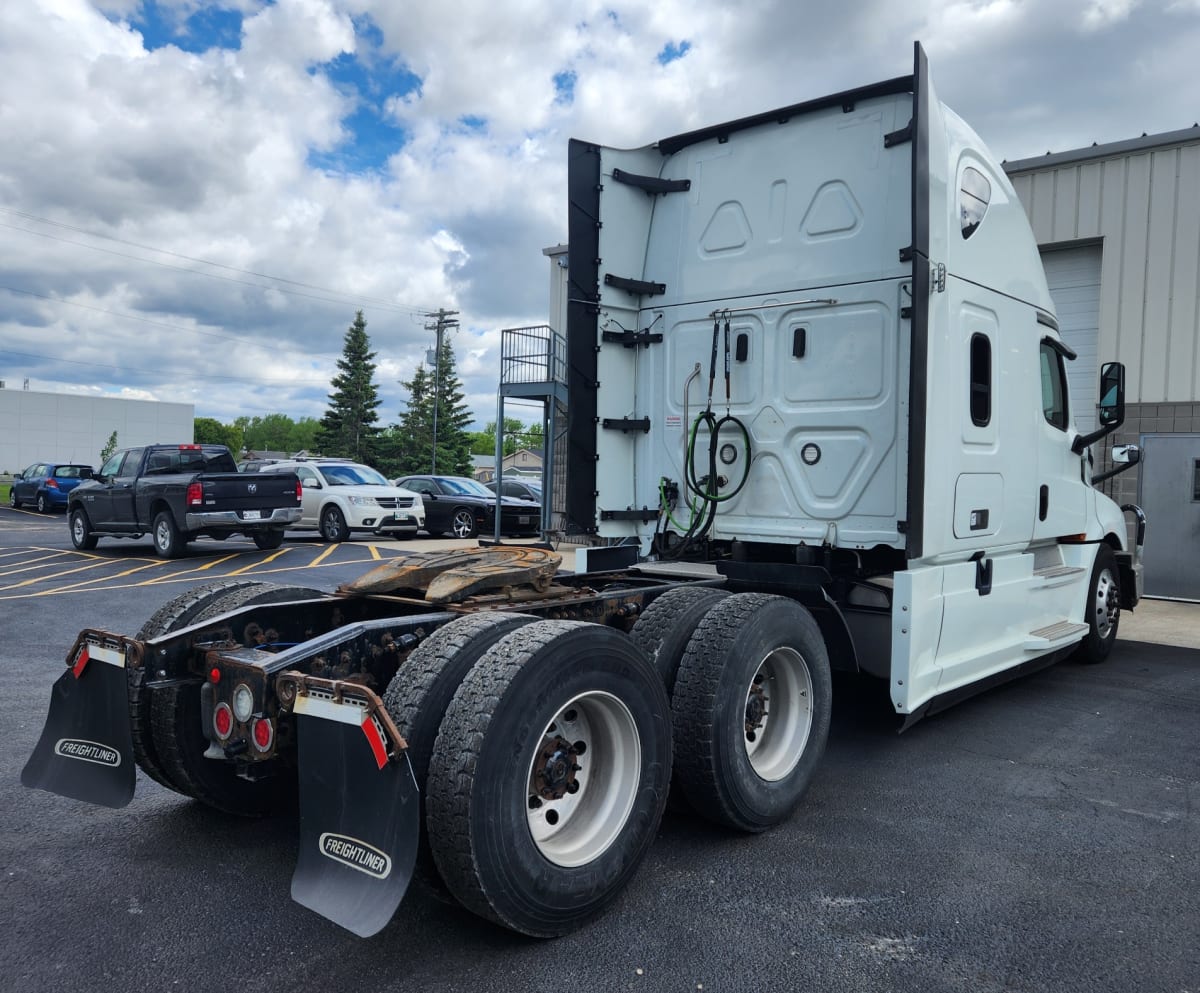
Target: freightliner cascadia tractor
point(816, 385)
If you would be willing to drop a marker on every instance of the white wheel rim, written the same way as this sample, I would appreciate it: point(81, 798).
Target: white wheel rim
point(462, 524)
point(1107, 605)
point(77, 528)
point(162, 535)
point(578, 799)
point(778, 714)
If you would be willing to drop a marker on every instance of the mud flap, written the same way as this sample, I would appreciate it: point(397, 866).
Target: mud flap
point(86, 748)
point(359, 815)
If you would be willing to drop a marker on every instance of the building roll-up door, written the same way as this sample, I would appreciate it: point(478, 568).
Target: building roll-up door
point(1073, 275)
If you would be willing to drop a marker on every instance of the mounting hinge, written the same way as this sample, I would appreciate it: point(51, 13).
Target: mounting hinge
point(906, 253)
point(938, 282)
point(902, 527)
point(626, 424)
point(645, 515)
point(651, 184)
point(906, 313)
point(641, 287)
point(893, 138)
point(632, 339)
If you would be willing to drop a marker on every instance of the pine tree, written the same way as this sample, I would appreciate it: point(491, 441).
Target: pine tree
point(349, 427)
point(453, 418)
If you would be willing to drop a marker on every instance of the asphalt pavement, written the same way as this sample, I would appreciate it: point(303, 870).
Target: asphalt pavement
point(1039, 837)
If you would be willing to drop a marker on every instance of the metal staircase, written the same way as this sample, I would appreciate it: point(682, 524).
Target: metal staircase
point(533, 366)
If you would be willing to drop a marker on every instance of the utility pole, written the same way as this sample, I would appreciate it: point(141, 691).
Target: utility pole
point(442, 324)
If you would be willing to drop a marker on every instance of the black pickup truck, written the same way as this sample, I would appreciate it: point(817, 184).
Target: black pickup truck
point(180, 492)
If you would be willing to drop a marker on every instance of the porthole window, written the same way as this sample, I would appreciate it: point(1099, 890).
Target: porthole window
point(974, 195)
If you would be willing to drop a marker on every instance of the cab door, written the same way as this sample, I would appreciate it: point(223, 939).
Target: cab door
point(1061, 507)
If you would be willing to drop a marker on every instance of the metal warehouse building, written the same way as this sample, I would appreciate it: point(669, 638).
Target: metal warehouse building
point(1119, 230)
point(68, 427)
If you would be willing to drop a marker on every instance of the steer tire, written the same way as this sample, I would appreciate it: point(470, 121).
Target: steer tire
point(544, 868)
point(12, 497)
point(333, 525)
point(81, 530)
point(666, 627)
point(169, 543)
point(464, 523)
point(1103, 612)
point(751, 650)
point(419, 693)
point(180, 742)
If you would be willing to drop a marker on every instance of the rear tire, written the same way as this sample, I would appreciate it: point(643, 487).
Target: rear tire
point(751, 710)
point(42, 504)
point(1103, 612)
point(268, 540)
point(664, 630)
point(421, 691)
point(168, 542)
point(174, 615)
point(549, 776)
point(179, 740)
point(81, 530)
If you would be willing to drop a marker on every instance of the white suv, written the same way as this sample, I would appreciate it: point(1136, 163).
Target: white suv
point(342, 496)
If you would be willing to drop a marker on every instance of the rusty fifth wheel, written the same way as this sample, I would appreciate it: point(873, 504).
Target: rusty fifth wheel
point(751, 710)
point(549, 776)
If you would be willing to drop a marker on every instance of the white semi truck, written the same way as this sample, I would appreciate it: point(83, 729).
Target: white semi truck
point(817, 387)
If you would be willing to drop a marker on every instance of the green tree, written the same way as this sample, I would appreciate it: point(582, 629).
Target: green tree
point(110, 446)
point(349, 427)
point(210, 431)
point(452, 418)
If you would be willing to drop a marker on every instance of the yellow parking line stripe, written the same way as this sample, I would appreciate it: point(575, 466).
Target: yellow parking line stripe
point(260, 562)
point(375, 553)
point(100, 580)
point(30, 563)
point(56, 575)
point(189, 572)
point(324, 555)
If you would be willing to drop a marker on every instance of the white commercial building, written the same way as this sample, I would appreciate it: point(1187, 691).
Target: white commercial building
point(68, 427)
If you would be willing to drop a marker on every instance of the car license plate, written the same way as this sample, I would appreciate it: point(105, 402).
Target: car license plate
point(523, 520)
point(251, 515)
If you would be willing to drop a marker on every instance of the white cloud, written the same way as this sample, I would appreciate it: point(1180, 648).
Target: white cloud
point(245, 156)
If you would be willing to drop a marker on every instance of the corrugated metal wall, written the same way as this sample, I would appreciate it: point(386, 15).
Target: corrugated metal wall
point(1145, 206)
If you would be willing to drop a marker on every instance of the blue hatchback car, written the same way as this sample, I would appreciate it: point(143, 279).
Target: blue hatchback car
point(45, 485)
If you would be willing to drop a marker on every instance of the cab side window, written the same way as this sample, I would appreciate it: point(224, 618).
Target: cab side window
point(110, 467)
point(1054, 387)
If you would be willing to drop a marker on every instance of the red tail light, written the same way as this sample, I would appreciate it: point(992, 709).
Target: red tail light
point(195, 495)
point(299, 492)
point(51, 484)
point(263, 733)
point(223, 721)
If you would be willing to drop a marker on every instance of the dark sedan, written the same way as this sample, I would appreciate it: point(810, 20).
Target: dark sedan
point(463, 507)
point(45, 485)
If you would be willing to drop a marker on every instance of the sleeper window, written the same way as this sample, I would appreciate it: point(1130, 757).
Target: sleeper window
point(974, 195)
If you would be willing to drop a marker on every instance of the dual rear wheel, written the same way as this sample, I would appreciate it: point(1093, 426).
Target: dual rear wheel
point(543, 749)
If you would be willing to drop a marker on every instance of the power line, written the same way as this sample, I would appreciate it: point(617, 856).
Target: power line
point(345, 297)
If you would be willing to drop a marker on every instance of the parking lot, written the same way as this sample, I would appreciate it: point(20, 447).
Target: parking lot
point(1040, 837)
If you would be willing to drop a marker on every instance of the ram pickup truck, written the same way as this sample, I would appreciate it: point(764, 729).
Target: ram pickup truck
point(177, 493)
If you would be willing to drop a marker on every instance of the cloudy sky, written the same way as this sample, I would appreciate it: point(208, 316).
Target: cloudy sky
point(196, 197)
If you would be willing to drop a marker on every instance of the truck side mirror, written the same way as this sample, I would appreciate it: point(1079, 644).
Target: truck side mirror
point(1112, 394)
point(1126, 454)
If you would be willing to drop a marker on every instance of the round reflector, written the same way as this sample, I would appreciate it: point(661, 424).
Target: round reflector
point(223, 720)
point(214, 676)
